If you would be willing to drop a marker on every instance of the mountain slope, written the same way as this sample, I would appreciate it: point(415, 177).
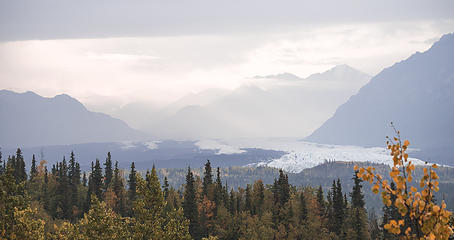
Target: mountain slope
point(416, 94)
point(28, 119)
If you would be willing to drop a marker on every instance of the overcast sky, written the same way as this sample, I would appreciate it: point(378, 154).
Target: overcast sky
point(111, 52)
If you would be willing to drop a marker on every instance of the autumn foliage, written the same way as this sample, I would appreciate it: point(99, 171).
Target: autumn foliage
point(421, 218)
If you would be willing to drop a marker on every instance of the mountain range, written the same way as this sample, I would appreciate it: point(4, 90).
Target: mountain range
point(28, 119)
point(273, 106)
point(416, 94)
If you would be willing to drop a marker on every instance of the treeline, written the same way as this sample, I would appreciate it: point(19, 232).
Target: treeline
point(64, 203)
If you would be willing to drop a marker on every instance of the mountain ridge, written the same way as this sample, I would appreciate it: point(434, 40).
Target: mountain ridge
point(415, 94)
point(32, 120)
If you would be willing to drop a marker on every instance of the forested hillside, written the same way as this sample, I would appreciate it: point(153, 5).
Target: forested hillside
point(60, 202)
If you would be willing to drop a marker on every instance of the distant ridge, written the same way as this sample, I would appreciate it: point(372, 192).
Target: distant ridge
point(417, 94)
point(28, 119)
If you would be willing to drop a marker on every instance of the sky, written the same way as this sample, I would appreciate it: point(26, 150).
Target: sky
point(107, 53)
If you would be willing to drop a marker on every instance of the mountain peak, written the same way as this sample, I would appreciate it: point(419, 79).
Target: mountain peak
point(281, 76)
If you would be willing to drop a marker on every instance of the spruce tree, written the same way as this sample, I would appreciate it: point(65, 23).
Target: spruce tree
point(20, 173)
point(74, 180)
point(97, 183)
point(321, 201)
point(207, 177)
point(165, 188)
point(248, 199)
point(2, 169)
point(359, 220)
point(337, 207)
point(118, 189)
point(190, 206)
point(84, 180)
point(148, 208)
point(108, 171)
point(45, 190)
point(303, 207)
point(33, 170)
point(356, 194)
point(63, 192)
point(132, 185)
point(284, 188)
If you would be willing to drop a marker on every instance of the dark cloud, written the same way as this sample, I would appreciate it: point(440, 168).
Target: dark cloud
point(55, 19)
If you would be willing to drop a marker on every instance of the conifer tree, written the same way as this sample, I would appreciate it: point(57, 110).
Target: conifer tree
point(108, 171)
point(165, 188)
point(190, 206)
point(12, 195)
point(358, 212)
point(284, 188)
point(321, 201)
point(63, 192)
point(84, 180)
point(118, 189)
point(248, 199)
point(20, 173)
point(2, 167)
point(132, 183)
point(74, 179)
point(303, 207)
point(356, 195)
point(33, 170)
point(45, 189)
point(97, 183)
point(258, 196)
point(148, 208)
point(207, 177)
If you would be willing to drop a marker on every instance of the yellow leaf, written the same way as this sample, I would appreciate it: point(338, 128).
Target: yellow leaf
point(406, 143)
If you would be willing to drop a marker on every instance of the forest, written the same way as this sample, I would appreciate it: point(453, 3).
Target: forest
point(64, 203)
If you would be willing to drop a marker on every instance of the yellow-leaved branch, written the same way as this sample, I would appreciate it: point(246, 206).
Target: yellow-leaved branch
point(421, 218)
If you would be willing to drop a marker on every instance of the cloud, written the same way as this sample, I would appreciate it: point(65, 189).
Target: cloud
point(64, 19)
point(117, 71)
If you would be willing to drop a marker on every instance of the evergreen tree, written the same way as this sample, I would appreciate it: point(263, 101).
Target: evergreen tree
point(303, 207)
point(258, 196)
point(207, 177)
point(248, 199)
point(12, 195)
point(97, 180)
point(118, 189)
point(337, 220)
point(132, 184)
point(356, 194)
point(46, 189)
point(148, 208)
point(190, 206)
point(2, 167)
point(165, 188)
point(74, 180)
point(33, 170)
point(84, 180)
point(63, 192)
point(20, 173)
point(284, 188)
point(232, 204)
point(359, 220)
point(108, 171)
point(321, 201)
